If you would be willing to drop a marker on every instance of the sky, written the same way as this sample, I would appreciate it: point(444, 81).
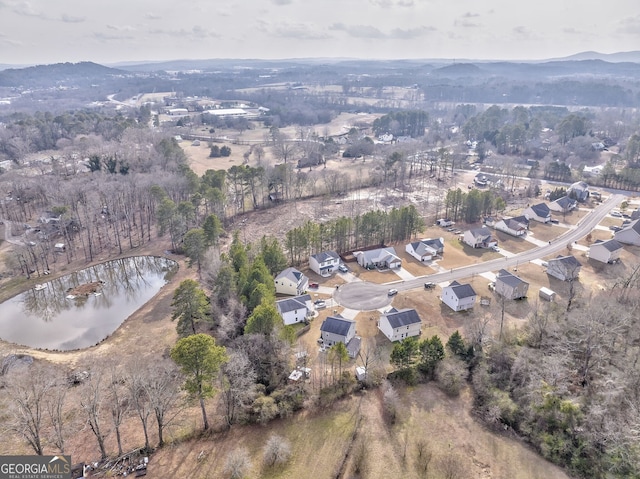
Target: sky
point(110, 31)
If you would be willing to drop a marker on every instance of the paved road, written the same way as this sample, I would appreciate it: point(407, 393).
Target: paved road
point(369, 296)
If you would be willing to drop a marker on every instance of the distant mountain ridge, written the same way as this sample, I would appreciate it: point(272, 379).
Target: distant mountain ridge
point(618, 57)
point(56, 73)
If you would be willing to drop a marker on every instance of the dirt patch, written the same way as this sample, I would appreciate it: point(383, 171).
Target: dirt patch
point(86, 289)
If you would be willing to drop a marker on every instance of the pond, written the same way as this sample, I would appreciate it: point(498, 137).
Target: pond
point(83, 308)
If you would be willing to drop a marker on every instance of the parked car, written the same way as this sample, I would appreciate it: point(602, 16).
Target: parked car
point(314, 285)
point(491, 286)
point(495, 248)
point(554, 221)
point(343, 269)
point(392, 292)
point(616, 214)
point(429, 285)
point(320, 303)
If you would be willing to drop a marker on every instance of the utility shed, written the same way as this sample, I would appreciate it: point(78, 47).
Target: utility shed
point(547, 294)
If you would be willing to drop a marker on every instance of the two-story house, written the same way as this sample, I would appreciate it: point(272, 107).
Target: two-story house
point(324, 263)
point(291, 282)
point(400, 324)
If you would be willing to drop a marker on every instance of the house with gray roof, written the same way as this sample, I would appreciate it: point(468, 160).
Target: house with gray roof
point(630, 234)
point(517, 226)
point(382, 258)
point(564, 268)
point(291, 282)
point(479, 238)
point(605, 251)
point(540, 213)
point(325, 263)
point(397, 325)
point(458, 297)
point(509, 286)
point(579, 190)
point(337, 329)
point(426, 249)
point(563, 205)
point(295, 310)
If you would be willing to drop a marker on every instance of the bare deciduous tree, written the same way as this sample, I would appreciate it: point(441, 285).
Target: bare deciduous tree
point(277, 450)
point(92, 403)
point(162, 387)
point(238, 386)
point(238, 463)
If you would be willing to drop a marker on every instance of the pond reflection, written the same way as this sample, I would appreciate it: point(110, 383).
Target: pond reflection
point(84, 307)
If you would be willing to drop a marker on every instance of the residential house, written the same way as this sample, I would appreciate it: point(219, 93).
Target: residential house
point(605, 251)
point(324, 263)
point(540, 213)
point(337, 329)
point(458, 297)
point(291, 282)
point(400, 324)
point(517, 226)
point(509, 286)
point(563, 205)
point(479, 238)
point(482, 179)
point(295, 310)
point(444, 222)
point(378, 258)
point(630, 234)
point(426, 249)
point(564, 268)
point(579, 190)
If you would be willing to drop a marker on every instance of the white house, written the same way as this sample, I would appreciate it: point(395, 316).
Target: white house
point(336, 329)
point(563, 205)
point(324, 263)
point(458, 297)
point(291, 282)
point(295, 310)
point(605, 251)
point(540, 213)
point(444, 222)
point(630, 234)
point(378, 258)
point(400, 324)
point(509, 286)
point(479, 238)
point(426, 249)
point(564, 268)
point(517, 226)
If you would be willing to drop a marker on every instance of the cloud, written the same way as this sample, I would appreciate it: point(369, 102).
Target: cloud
point(358, 31)
point(631, 25)
point(23, 8)
point(470, 15)
point(71, 19)
point(109, 37)
point(522, 32)
point(411, 33)
point(282, 2)
point(392, 3)
point(121, 28)
point(152, 16)
point(465, 23)
point(195, 33)
point(298, 30)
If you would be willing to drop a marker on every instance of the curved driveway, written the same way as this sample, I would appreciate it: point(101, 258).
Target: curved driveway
point(365, 296)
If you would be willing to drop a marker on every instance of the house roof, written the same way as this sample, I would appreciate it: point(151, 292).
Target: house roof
point(403, 317)
point(509, 279)
point(291, 274)
point(427, 246)
point(291, 304)
point(517, 223)
point(482, 232)
point(541, 210)
point(634, 225)
point(461, 290)
point(337, 325)
point(380, 255)
point(353, 346)
point(567, 261)
point(609, 245)
point(325, 256)
point(579, 185)
point(565, 202)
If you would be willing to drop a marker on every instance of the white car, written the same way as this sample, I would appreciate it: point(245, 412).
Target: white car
point(392, 292)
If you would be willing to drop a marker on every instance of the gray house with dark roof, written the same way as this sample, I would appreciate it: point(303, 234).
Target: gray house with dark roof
point(336, 329)
point(295, 310)
point(605, 251)
point(509, 286)
point(400, 324)
point(324, 263)
point(564, 268)
point(458, 297)
point(517, 226)
point(479, 238)
point(579, 190)
point(630, 234)
point(426, 249)
point(563, 205)
point(540, 213)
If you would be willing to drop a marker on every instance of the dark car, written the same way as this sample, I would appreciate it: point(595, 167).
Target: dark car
point(314, 285)
point(429, 285)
